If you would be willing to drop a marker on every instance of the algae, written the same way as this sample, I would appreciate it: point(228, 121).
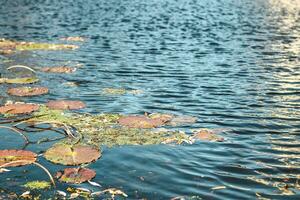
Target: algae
point(37, 185)
point(103, 129)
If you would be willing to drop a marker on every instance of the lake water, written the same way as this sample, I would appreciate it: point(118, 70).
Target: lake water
point(233, 64)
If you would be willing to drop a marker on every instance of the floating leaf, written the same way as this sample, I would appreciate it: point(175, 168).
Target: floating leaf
point(76, 175)
point(205, 134)
point(14, 158)
point(31, 46)
point(27, 91)
point(72, 154)
point(65, 105)
point(18, 108)
point(26, 80)
point(140, 122)
point(59, 69)
point(37, 185)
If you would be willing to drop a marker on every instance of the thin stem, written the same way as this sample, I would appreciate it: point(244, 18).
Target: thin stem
point(17, 131)
point(35, 163)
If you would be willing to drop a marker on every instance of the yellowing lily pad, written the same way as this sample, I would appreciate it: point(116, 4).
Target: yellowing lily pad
point(27, 91)
point(59, 69)
point(14, 158)
point(18, 108)
point(76, 175)
point(26, 80)
point(72, 154)
point(65, 105)
point(140, 122)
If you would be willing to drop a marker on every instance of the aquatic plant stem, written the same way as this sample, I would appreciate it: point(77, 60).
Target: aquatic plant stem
point(35, 163)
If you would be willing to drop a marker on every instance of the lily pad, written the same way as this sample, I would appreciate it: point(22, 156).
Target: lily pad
point(26, 80)
point(208, 135)
point(72, 154)
point(31, 46)
point(27, 91)
point(76, 175)
point(18, 108)
point(37, 185)
point(140, 122)
point(65, 105)
point(59, 69)
point(25, 157)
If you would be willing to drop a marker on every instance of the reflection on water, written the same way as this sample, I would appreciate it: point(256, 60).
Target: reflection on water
point(233, 64)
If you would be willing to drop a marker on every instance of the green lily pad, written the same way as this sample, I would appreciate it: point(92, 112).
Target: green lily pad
point(72, 154)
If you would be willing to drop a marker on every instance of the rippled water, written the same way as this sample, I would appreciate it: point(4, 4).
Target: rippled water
point(233, 64)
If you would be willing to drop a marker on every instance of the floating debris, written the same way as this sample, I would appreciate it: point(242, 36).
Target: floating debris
point(21, 66)
point(37, 185)
point(112, 191)
point(104, 129)
point(140, 122)
point(76, 175)
point(206, 134)
point(65, 105)
point(59, 69)
point(18, 108)
point(27, 91)
point(74, 39)
point(14, 158)
point(72, 154)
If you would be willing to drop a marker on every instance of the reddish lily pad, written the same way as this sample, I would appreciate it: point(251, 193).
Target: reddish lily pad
point(27, 91)
point(205, 134)
point(76, 175)
point(65, 105)
point(59, 69)
point(140, 122)
point(72, 154)
point(14, 158)
point(18, 108)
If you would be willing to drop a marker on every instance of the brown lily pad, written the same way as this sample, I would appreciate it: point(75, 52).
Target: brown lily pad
point(208, 135)
point(27, 91)
point(14, 158)
point(65, 105)
point(18, 108)
point(72, 154)
point(59, 69)
point(76, 175)
point(140, 122)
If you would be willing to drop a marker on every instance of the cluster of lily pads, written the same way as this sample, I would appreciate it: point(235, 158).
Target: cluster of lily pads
point(83, 133)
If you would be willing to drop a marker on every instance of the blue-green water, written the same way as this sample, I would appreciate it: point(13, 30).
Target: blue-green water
point(233, 64)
